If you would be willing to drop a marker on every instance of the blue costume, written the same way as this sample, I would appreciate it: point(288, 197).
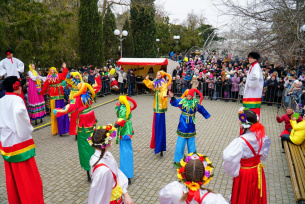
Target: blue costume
point(125, 134)
point(186, 129)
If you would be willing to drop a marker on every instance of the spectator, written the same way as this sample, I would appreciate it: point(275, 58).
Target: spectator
point(188, 79)
point(85, 77)
point(67, 93)
point(286, 118)
point(227, 87)
point(271, 90)
point(235, 86)
point(280, 90)
point(297, 134)
point(297, 91)
point(211, 82)
point(242, 88)
point(151, 74)
point(121, 80)
point(131, 81)
point(91, 78)
point(178, 84)
point(219, 84)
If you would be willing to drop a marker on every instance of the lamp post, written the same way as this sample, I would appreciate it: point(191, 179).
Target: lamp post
point(124, 34)
point(177, 38)
point(158, 40)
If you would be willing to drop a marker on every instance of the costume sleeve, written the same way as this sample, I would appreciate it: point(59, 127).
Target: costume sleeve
point(122, 181)
point(281, 119)
point(231, 158)
point(166, 195)
point(175, 102)
point(2, 69)
point(163, 89)
point(148, 83)
point(62, 76)
point(31, 75)
point(22, 120)
point(203, 112)
point(20, 65)
point(254, 79)
point(265, 148)
point(97, 83)
point(101, 186)
point(121, 115)
point(44, 88)
point(214, 198)
point(70, 108)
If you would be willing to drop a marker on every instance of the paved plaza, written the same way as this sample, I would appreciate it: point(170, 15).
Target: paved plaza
point(64, 181)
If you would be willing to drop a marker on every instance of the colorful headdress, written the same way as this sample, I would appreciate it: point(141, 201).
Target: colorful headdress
point(185, 93)
point(74, 74)
point(86, 95)
point(124, 100)
point(110, 135)
point(194, 186)
point(257, 127)
point(52, 77)
point(192, 91)
point(163, 74)
point(35, 74)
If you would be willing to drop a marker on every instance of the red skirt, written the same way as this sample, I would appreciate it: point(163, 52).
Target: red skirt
point(245, 186)
point(23, 182)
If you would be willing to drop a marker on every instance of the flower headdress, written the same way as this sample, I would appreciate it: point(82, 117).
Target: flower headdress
point(110, 135)
point(243, 117)
point(194, 186)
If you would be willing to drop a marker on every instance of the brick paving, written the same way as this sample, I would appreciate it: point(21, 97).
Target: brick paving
point(64, 181)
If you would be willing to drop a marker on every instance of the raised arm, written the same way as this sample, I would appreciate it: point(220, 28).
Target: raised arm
point(70, 108)
point(148, 83)
point(45, 87)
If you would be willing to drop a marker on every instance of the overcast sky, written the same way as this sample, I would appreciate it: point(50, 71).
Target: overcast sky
point(177, 10)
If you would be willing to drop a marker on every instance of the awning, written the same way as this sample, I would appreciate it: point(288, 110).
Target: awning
point(142, 61)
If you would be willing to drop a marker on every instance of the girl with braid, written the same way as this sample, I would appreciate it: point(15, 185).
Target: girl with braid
point(193, 171)
point(242, 160)
point(108, 182)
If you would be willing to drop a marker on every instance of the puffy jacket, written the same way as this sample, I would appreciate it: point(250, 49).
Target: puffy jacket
point(297, 135)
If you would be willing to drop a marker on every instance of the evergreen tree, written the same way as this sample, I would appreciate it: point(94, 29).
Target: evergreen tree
point(144, 28)
point(111, 43)
point(90, 33)
point(128, 47)
point(33, 31)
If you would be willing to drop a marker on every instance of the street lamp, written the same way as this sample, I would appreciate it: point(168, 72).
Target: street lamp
point(177, 38)
point(158, 40)
point(124, 34)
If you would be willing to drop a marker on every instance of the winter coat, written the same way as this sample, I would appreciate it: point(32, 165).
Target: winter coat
point(235, 83)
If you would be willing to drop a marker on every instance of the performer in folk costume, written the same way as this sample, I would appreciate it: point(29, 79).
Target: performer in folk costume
point(37, 107)
point(242, 160)
point(186, 129)
point(74, 79)
point(108, 182)
point(193, 171)
point(159, 85)
point(125, 133)
point(11, 66)
point(55, 90)
point(23, 182)
point(85, 121)
point(254, 85)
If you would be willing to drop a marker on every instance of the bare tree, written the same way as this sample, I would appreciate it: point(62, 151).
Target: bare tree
point(269, 26)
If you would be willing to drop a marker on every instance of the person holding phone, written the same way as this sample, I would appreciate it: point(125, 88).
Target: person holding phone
point(297, 134)
point(287, 117)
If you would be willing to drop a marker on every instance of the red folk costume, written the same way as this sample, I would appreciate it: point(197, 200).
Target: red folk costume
point(84, 122)
point(54, 88)
point(242, 160)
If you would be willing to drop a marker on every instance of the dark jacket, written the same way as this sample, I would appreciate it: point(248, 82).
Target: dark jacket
point(131, 79)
